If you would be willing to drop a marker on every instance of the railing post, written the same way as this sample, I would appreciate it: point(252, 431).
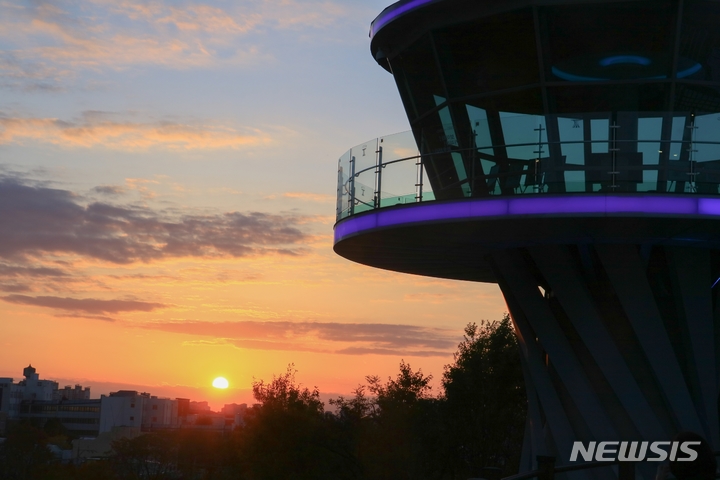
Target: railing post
point(614, 150)
point(378, 178)
point(340, 188)
point(539, 152)
point(352, 184)
point(626, 471)
point(691, 154)
point(419, 184)
point(546, 467)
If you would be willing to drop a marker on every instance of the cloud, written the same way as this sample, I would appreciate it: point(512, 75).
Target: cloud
point(107, 35)
point(85, 305)
point(79, 315)
point(95, 130)
point(311, 197)
point(427, 297)
point(109, 190)
point(38, 220)
point(22, 271)
point(30, 75)
point(340, 338)
point(14, 287)
point(47, 43)
point(207, 19)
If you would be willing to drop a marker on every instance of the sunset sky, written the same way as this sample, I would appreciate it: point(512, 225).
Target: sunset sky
point(167, 198)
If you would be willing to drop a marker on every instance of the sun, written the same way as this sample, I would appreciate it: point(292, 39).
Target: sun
point(220, 382)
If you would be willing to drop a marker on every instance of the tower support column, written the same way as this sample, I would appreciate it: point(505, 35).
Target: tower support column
point(618, 342)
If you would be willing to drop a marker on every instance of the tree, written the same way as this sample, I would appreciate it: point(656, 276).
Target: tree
point(485, 399)
point(407, 389)
point(152, 456)
point(288, 434)
point(284, 394)
point(401, 436)
point(24, 454)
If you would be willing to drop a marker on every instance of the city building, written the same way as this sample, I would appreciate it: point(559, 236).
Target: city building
point(568, 151)
point(72, 393)
point(129, 408)
point(77, 417)
point(124, 408)
point(39, 401)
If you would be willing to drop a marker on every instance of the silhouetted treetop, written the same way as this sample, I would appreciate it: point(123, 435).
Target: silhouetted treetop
point(283, 393)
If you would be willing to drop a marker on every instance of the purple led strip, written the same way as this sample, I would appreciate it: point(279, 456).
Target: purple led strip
point(565, 205)
point(384, 19)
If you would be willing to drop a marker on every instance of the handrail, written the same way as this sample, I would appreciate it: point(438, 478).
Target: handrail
point(373, 167)
point(568, 161)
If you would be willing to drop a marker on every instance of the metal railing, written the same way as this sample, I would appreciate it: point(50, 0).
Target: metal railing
point(679, 155)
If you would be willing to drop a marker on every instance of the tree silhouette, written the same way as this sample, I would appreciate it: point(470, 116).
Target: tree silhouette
point(288, 435)
point(485, 399)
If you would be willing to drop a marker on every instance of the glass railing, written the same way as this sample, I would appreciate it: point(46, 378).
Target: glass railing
point(625, 152)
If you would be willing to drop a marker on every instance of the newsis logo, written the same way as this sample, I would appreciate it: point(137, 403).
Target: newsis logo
point(634, 451)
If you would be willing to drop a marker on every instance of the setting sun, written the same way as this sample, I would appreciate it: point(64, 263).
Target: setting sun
point(220, 382)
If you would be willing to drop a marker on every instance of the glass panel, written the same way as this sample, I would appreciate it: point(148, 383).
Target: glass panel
point(707, 138)
point(478, 119)
point(599, 131)
point(450, 138)
point(586, 152)
point(399, 174)
point(575, 182)
point(528, 132)
point(483, 142)
point(649, 132)
point(572, 137)
point(707, 144)
point(417, 79)
point(426, 193)
point(398, 146)
point(365, 166)
point(678, 130)
point(344, 187)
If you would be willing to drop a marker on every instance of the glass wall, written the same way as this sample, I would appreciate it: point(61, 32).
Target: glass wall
point(599, 152)
point(468, 88)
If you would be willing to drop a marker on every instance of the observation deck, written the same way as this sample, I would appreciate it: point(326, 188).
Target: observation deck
point(611, 188)
point(569, 151)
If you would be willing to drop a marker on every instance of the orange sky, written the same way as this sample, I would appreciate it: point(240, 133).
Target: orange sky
point(167, 197)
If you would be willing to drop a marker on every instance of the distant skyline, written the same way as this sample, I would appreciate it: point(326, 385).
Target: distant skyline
point(167, 196)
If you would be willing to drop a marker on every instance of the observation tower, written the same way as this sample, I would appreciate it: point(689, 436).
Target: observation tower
point(569, 151)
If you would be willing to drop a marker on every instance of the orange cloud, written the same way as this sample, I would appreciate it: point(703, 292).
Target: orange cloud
point(312, 197)
point(327, 337)
point(94, 131)
point(48, 41)
point(210, 19)
point(80, 306)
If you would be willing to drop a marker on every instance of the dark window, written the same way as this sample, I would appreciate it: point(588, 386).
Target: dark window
point(613, 41)
point(699, 58)
point(588, 97)
point(488, 54)
point(418, 78)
